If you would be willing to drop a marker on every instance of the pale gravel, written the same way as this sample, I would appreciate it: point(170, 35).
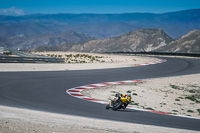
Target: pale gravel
point(157, 94)
point(18, 120)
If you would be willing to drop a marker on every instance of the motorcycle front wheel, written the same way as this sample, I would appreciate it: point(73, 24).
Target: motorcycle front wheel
point(117, 105)
point(108, 106)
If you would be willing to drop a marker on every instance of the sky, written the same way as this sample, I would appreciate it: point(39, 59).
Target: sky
point(22, 7)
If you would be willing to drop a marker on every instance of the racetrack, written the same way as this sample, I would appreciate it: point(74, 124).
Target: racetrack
point(47, 91)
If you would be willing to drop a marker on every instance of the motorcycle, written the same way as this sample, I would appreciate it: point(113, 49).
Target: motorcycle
point(119, 103)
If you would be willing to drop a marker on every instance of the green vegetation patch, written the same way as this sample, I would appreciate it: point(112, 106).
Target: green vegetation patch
point(198, 110)
point(128, 91)
point(135, 83)
point(176, 87)
point(177, 99)
point(180, 97)
point(132, 103)
point(114, 92)
point(135, 94)
point(78, 58)
point(192, 91)
point(190, 111)
point(194, 86)
point(149, 108)
point(194, 98)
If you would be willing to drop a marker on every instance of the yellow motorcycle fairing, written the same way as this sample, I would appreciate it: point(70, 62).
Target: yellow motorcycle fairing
point(124, 100)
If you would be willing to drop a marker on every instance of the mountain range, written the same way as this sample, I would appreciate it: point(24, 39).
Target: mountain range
point(44, 40)
point(102, 32)
point(175, 24)
point(137, 41)
point(143, 40)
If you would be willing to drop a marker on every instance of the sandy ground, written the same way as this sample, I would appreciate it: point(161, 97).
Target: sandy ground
point(104, 61)
point(17, 120)
point(176, 95)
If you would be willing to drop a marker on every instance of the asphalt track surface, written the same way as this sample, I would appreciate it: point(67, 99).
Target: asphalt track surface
point(46, 91)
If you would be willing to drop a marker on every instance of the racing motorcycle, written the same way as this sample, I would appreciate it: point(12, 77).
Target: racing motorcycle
point(118, 103)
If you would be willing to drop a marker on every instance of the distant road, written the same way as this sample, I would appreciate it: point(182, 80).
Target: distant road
point(46, 91)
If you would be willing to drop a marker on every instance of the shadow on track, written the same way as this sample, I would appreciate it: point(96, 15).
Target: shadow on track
point(129, 110)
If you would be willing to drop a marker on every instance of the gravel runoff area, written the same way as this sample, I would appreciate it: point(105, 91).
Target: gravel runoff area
point(176, 95)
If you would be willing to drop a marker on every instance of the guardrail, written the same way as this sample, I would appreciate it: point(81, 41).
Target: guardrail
point(8, 59)
point(25, 57)
point(158, 53)
point(26, 54)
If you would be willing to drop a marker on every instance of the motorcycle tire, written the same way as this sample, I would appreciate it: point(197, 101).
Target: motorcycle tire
point(117, 105)
point(107, 106)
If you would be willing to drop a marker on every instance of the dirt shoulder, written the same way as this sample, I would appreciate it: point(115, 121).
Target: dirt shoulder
point(17, 120)
point(177, 95)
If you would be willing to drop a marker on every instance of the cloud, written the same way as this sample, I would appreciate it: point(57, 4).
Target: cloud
point(13, 11)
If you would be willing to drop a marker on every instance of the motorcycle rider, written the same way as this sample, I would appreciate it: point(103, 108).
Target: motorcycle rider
point(128, 96)
point(114, 100)
point(119, 96)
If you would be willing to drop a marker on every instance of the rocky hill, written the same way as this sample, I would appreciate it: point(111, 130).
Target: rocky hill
point(140, 40)
point(187, 43)
point(136, 41)
point(44, 40)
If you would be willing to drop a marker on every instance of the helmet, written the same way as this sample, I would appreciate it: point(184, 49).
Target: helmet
point(116, 95)
point(123, 95)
